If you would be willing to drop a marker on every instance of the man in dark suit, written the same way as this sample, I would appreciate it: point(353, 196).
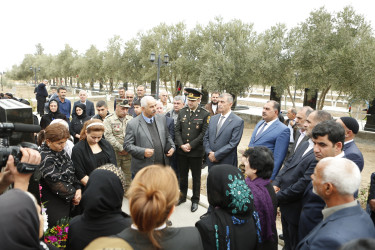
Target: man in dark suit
point(273, 134)
point(212, 106)
point(292, 180)
point(328, 138)
point(300, 135)
point(90, 110)
point(336, 180)
point(351, 150)
point(192, 123)
point(223, 134)
point(147, 138)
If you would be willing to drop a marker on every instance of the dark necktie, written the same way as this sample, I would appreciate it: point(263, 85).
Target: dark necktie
point(261, 131)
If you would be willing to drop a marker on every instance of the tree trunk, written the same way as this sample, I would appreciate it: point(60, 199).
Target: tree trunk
point(291, 98)
point(110, 85)
point(92, 83)
point(101, 84)
point(322, 98)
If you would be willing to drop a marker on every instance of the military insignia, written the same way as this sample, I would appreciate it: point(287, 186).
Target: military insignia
point(208, 119)
point(197, 127)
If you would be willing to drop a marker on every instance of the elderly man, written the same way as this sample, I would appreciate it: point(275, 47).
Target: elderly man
point(300, 134)
point(129, 95)
point(223, 134)
point(164, 100)
point(178, 104)
point(292, 180)
point(141, 91)
point(336, 180)
point(115, 126)
point(191, 126)
point(273, 134)
point(328, 138)
point(147, 138)
point(212, 106)
point(90, 111)
point(351, 150)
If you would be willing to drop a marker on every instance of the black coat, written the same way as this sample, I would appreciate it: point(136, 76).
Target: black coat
point(84, 160)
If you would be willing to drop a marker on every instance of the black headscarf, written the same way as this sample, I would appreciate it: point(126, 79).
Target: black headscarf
point(53, 114)
point(83, 107)
point(50, 116)
point(104, 192)
point(19, 221)
point(232, 199)
point(102, 201)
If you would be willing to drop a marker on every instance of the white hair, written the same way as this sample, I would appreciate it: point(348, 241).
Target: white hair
point(145, 100)
point(83, 91)
point(341, 173)
point(179, 98)
point(159, 103)
point(228, 96)
point(61, 121)
point(129, 92)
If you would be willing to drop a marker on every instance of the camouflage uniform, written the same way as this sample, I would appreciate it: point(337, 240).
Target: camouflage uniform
point(115, 133)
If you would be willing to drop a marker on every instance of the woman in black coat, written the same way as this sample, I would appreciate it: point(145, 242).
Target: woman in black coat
point(91, 151)
point(232, 223)
point(53, 113)
point(77, 122)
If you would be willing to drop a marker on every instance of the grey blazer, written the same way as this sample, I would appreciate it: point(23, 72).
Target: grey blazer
point(138, 138)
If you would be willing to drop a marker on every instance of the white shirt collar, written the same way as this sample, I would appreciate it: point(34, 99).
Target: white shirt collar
point(341, 155)
point(346, 142)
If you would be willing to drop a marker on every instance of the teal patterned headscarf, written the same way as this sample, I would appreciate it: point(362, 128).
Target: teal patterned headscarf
point(227, 189)
point(233, 201)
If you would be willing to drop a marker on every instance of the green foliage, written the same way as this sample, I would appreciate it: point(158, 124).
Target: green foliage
point(328, 51)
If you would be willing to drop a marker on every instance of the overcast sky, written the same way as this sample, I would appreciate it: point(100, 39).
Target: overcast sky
point(80, 23)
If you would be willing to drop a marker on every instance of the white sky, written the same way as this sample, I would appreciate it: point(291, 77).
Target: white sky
point(80, 23)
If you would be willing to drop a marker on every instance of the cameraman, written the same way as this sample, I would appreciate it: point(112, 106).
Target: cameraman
point(11, 175)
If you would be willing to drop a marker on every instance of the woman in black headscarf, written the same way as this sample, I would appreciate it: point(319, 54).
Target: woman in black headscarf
point(53, 113)
point(21, 222)
point(233, 223)
point(102, 201)
point(77, 122)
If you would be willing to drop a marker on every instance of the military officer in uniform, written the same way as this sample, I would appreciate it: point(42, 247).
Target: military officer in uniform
point(190, 128)
point(115, 126)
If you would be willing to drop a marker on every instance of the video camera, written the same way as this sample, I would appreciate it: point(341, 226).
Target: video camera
point(6, 130)
point(16, 130)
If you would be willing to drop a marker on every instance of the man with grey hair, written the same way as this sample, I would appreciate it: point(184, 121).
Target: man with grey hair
point(163, 95)
point(129, 95)
point(178, 104)
point(141, 91)
point(147, 138)
point(336, 180)
point(300, 135)
point(273, 134)
point(90, 111)
point(223, 135)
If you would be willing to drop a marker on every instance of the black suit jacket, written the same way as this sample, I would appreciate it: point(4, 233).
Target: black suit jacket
point(293, 180)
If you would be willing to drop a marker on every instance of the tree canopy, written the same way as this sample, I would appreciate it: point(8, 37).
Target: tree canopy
point(327, 51)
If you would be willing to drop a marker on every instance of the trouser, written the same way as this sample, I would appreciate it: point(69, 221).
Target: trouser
point(174, 165)
point(40, 101)
point(290, 233)
point(123, 162)
point(194, 164)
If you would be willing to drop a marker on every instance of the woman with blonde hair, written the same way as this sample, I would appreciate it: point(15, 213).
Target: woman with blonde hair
point(153, 195)
point(92, 151)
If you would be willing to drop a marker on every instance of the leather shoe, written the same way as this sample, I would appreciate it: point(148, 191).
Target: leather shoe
point(180, 201)
point(194, 207)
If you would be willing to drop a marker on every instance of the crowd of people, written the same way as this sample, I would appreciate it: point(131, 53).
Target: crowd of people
point(308, 166)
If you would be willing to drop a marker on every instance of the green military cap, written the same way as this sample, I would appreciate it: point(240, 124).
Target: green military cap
point(193, 94)
point(123, 103)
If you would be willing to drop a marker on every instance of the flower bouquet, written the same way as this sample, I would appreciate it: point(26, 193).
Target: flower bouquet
point(58, 235)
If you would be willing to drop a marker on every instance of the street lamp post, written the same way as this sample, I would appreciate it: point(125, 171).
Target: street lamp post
point(159, 64)
point(35, 68)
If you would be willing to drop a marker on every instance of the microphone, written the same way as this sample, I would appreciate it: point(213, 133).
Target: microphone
point(20, 127)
